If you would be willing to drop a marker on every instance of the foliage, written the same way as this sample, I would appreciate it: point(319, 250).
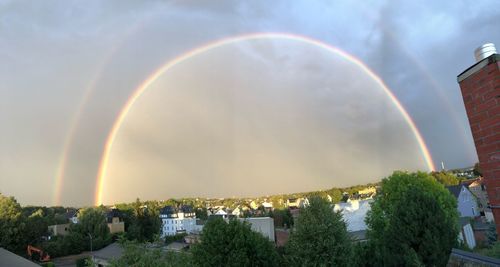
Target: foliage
point(12, 225)
point(145, 222)
point(136, 255)
point(491, 234)
point(233, 244)
point(492, 251)
point(413, 221)
point(282, 218)
point(320, 237)
point(445, 178)
point(201, 213)
point(91, 224)
point(82, 262)
point(175, 238)
point(477, 169)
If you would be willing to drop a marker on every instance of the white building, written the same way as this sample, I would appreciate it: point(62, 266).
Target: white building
point(262, 225)
point(354, 213)
point(176, 221)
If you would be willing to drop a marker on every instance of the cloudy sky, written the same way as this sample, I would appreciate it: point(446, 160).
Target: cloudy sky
point(250, 118)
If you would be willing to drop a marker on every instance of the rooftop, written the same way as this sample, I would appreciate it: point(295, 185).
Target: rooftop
point(10, 259)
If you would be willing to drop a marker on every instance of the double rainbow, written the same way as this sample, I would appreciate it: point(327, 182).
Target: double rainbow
point(103, 164)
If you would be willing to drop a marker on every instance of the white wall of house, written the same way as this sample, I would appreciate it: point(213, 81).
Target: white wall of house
point(262, 225)
point(467, 203)
point(354, 213)
point(466, 235)
point(172, 225)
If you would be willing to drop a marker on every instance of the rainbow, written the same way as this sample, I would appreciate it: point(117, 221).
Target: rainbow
point(88, 92)
point(101, 175)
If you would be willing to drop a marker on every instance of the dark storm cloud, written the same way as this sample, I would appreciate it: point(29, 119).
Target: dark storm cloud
point(51, 50)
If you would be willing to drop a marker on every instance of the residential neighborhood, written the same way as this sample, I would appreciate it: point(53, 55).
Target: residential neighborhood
point(249, 133)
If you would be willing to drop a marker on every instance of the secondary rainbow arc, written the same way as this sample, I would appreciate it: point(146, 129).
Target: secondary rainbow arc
point(101, 175)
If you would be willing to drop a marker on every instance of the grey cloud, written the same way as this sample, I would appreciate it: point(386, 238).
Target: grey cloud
point(50, 51)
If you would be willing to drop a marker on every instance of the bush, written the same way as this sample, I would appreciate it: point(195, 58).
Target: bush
point(175, 238)
point(82, 262)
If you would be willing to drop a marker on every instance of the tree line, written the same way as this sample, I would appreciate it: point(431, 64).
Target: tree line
point(413, 222)
point(399, 204)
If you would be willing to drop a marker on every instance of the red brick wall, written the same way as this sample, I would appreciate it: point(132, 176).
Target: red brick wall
point(481, 94)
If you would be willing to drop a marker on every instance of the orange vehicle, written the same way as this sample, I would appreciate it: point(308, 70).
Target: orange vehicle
point(42, 255)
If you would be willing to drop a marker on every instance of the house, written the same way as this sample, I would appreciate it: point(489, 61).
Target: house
point(236, 212)
point(465, 258)
point(115, 223)
point(222, 213)
point(478, 188)
point(254, 205)
point(368, 192)
point(104, 256)
point(177, 220)
point(296, 203)
point(9, 259)
point(466, 201)
point(267, 206)
point(58, 229)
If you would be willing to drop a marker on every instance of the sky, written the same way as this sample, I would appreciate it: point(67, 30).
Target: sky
point(250, 118)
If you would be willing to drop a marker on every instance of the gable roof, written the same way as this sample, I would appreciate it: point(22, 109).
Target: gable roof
point(9, 259)
point(455, 189)
point(167, 210)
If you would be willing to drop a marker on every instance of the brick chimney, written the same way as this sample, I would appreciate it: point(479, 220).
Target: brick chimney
point(480, 86)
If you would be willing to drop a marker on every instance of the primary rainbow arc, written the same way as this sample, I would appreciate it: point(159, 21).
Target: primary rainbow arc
point(101, 175)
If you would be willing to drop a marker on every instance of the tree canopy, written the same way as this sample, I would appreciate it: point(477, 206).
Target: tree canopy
point(445, 178)
point(136, 255)
point(320, 237)
point(233, 244)
point(12, 224)
point(413, 221)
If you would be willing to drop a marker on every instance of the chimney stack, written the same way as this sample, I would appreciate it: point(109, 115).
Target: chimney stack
point(480, 86)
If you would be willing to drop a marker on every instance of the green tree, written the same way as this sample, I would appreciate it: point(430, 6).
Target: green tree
point(201, 213)
point(413, 221)
point(445, 178)
point(146, 222)
point(282, 218)
point(12, 225)
point(36, 227)
point(233, 244)
point(136, 255)
point(320, 237)
point(91, 224)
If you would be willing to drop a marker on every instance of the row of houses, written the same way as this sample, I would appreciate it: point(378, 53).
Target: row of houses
point(182, 220)
point(113, 219)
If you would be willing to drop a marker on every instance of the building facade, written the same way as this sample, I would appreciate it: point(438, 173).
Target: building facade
point(480, 86)
point(466, 201)
point(178, 220)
